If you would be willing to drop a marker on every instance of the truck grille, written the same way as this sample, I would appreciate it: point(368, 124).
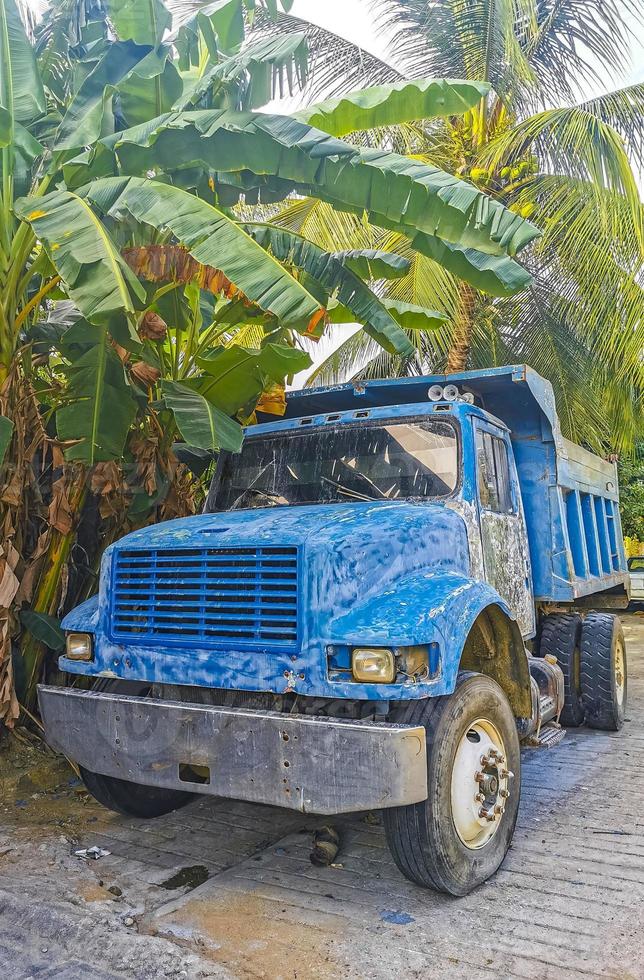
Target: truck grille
point(209, 595)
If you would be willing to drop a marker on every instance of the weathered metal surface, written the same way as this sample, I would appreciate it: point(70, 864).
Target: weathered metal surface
point(310, 764)
point(392, 572)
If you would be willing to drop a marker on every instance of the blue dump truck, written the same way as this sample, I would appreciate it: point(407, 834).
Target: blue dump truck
point(388, 591)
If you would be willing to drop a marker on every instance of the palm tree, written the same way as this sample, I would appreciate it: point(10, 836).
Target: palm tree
point(536, 145)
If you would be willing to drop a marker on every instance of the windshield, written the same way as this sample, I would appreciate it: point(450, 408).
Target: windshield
point(366, 461)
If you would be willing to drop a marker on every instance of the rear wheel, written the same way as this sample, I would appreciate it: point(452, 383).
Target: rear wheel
point(560, 638)
point(604, 677)
point(456, 838)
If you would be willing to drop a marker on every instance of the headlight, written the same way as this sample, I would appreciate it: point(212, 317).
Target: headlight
point(373, 665)
point(79, 646)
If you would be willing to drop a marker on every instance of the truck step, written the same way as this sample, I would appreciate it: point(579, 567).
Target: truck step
point(549, 736)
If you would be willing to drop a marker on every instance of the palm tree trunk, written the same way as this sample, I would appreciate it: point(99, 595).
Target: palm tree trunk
point(460, 348)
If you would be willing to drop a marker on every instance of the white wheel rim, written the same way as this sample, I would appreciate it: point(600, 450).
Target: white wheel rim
point(620, 673)
point(481, 784)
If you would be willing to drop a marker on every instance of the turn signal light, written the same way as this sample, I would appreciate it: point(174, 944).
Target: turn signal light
point(79, 646)
point(372, 665)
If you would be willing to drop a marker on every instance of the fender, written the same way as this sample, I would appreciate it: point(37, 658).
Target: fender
point(427, 607)
point(84, 618)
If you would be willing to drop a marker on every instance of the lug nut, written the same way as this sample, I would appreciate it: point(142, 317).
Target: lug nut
point(498, 809)
point(506, 774)
point(479, 777)
point(479, 798)
point(504, 793)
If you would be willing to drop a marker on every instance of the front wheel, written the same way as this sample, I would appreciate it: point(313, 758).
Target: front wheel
point(133, 799)
point(456, 838)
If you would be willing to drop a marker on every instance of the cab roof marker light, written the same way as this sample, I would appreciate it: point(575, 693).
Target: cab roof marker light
point(450, 393)
point(435, 393)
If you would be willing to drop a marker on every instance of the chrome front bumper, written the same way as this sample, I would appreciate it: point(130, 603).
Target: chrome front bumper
point(308, 763)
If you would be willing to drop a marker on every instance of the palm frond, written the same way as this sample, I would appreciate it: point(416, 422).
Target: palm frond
point(569, 141)
point(335, 64)
point(623, 109)
point(478, 40)
point(574, 43)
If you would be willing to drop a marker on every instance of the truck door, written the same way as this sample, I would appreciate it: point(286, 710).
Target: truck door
point(503, 532)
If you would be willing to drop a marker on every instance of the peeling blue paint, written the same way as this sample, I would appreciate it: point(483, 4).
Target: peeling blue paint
point(384, 573)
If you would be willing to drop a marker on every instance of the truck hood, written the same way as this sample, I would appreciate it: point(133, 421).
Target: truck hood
point(351, 552)
point(334, 525)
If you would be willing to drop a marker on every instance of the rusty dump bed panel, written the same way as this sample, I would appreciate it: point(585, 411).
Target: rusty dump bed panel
point(570, 495)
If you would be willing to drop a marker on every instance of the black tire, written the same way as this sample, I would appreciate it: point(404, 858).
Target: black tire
point(133, 799)
point(422, 837)
point(561, 637)
point(603, 657)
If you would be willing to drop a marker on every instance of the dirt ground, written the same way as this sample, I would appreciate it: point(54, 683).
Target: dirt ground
point(226, 889)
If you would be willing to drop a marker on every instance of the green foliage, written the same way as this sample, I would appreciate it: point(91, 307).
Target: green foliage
point(372, 263)
point(44, 628)
point(200, 422)
point(100, 407)
point(631, 495)
point(6, 432)
point(336, 277)
point(212, 238)
point(387, 105)
point(395, 191)
point(22, 94)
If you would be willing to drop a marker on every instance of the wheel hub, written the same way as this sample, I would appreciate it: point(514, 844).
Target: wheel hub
point(480, 784)
point(620, 673)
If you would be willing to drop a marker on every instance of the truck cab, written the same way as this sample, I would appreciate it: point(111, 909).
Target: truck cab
point(385, 594)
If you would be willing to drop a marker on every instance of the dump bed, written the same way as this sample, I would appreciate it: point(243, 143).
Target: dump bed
point(570, 496)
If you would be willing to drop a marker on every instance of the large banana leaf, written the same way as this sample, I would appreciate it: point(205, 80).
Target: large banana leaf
point(338, 280)
point(200, 422)
point(87, 260)
point(141, 21)
point(237, 376)
point(373, 263)
point(216, 27)
point(265, 68)
point(21, 90)
point(395, 191)
point(152, 87)
point(494, 274)
point(84, 120)
point(408, 315)
point(388, 105)
point(100, 408)
point(212, 238)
